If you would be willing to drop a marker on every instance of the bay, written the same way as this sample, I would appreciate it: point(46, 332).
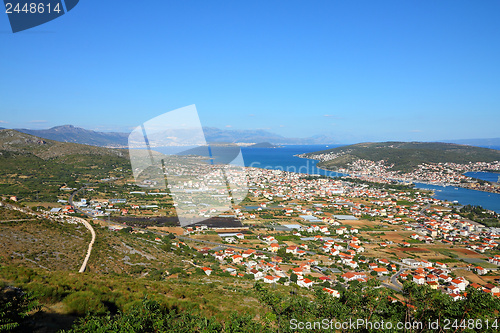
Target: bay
point(488, 176)
point(464, 196)
point(283, 158)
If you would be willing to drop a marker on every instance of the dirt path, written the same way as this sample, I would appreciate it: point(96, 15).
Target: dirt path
point(89, 251)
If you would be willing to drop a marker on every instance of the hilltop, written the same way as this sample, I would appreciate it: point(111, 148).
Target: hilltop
point(263, 145)
point(17, 142)
point(70, 133)
point(405, 156)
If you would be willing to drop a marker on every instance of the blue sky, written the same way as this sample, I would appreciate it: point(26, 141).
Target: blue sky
point(353, 70)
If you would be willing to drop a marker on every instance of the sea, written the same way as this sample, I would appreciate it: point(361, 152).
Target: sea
point(284, 158)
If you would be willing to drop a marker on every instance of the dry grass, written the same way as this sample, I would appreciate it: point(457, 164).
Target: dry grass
point(210, 238)
point(394, 236)
point(360, 223)
point(173, 230)
point(469, 275)
point(46, 244)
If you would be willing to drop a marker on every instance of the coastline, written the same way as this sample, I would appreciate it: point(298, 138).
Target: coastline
point(439, 192)
point(443, 184)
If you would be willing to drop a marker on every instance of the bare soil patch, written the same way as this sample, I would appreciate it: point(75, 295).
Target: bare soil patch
point(411, 249)
point(470, 276)
point(490, 278)
point(173, 230)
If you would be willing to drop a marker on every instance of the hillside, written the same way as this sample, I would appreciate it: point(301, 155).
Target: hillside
point(42, 256)
point(70, 133)
point(31, 166)
point(404, 155)
point(14, 141)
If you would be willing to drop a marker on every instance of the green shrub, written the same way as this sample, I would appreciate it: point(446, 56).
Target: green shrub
point(82, 302)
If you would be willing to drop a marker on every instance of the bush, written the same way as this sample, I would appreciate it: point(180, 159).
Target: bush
point(46, 293)
point(83, 302)
point(150, 316)
point(15, 306)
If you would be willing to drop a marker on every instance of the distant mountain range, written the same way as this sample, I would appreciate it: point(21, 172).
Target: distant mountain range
point(493, 142)
point(70, 133)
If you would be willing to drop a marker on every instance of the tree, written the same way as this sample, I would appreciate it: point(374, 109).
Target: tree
point(284, 255)
point(149, 316)
point(15, 307)
point(275, 302)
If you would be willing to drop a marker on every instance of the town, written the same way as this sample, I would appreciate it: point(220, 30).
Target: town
point(445, 174)
point(316, 231)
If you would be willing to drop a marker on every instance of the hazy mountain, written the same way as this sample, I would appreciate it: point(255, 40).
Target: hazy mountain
point(493, 142)
point(27, 144)
point(70, 133)
point(213, 134)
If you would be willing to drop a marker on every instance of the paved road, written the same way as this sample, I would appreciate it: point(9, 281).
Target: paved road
point(421, 212)
point(394, 279)
point(391, 287)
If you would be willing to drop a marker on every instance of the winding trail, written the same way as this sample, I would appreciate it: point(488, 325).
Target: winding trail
point(89, 251)
point(88, 226)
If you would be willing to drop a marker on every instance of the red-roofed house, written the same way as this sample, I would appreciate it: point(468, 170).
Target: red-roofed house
point(418, 279)
point(381, 270)
point(248, 253)
point(458, 283)
point(237, 258)
point(351, 276)
point(332, 292)
point(271, 279)
point(306, 283)
point(433, 284)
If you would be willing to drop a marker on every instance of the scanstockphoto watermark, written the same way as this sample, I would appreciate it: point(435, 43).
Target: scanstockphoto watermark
point(364, 324)
point(351, 324)
point(170, 153)
point(309, 168)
